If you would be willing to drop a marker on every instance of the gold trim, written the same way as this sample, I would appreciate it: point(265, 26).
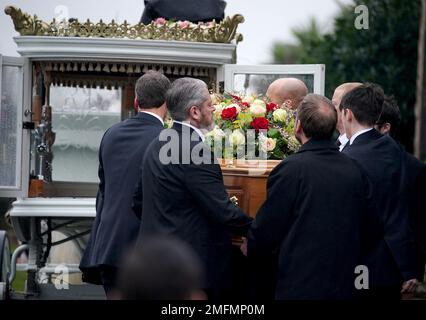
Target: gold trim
point(25, 24)
point(223, 32)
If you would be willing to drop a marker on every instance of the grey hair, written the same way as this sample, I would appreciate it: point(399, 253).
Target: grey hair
point(183, 94)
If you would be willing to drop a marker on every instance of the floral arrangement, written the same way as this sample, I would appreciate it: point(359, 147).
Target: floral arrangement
point(250, 125)
point(183, 24)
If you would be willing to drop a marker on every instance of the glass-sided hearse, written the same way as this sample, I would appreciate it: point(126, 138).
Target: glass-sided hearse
point(71, 83)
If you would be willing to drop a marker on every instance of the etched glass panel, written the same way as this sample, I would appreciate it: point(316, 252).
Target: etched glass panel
point(258, 83)
point(11, 96)
point(80, 117)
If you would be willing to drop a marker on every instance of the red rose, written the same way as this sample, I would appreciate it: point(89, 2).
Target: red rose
point(271, 107)
point(236, 98)
point(260, 123)
point(229, 113)
point(244, 105)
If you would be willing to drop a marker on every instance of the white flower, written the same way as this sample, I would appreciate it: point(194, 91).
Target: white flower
point(257, 109)
point(267, 144)
point(237, 138)
point(215, 98)
point(248, 99)
point(293, 144)
point(259, 102)
point(279, 115)
point(217, 133)
point(206, 25)
point(219, 107)
point(218, 110)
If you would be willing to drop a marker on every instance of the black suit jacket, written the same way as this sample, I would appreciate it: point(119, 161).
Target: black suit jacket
point(116, 227)
point(191, 10)
point(415, 184)
point(391, 257)
point(317, 205)
point(188, 200)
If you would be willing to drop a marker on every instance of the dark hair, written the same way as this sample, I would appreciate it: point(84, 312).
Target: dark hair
point(317, 116)
point(390, 113)
point(365, 102)
point(183, 94)
point(160, 268)
point(151, 90)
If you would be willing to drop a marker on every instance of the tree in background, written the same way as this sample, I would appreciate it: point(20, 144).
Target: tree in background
point(307, 38)
point(386, 53)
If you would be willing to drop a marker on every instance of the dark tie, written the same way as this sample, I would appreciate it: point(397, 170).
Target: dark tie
point(346, 147)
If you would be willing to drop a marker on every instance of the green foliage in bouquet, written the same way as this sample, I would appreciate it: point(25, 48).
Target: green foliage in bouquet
point(250, 127)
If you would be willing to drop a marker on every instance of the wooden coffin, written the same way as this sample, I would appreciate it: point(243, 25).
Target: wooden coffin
point(246, 180)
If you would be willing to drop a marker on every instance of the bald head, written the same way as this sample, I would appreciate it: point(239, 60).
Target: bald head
point(337, 99)
point(287, 90)
point(342, 90)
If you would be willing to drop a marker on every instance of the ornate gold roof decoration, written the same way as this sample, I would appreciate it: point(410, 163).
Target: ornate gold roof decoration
point(223, 32)
point(25, 24)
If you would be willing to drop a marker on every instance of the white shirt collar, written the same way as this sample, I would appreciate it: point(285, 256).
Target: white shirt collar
point(154, 115)
point(186, 123)
point(358, 134)
point(343, 139)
